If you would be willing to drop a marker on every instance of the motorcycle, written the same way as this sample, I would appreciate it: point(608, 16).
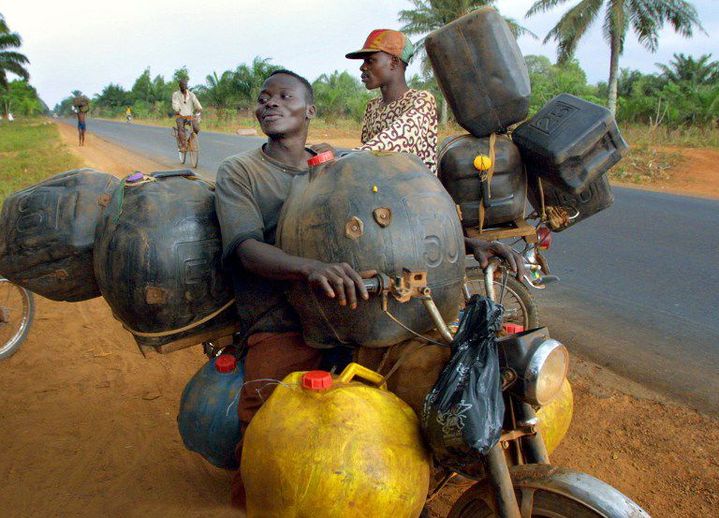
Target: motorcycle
point(516, 478)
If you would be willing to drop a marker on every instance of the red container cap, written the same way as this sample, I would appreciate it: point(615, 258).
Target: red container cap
point(512, 329)
point(316, 380)
point(225, 363)
point(321, 158)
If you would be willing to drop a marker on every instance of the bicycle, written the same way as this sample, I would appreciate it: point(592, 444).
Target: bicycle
point(192, 145)
point(17, 309)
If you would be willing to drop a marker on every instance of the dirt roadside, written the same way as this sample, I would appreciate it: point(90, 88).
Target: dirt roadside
point(89, 423)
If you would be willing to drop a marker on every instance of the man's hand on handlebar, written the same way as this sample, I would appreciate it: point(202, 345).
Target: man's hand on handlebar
point(338, 281)
point(484, 250)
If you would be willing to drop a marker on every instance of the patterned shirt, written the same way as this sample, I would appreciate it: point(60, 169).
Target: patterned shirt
point(408, 125)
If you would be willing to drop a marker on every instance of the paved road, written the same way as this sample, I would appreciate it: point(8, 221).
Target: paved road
point(639, 290)
point(159, 144)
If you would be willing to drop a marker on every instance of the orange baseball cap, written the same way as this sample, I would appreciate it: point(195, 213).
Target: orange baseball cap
point(392, 42)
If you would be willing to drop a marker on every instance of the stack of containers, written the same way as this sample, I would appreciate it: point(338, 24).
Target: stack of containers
point(557, 159)
point(481, 71)
point(568, 147)
point(150, 245)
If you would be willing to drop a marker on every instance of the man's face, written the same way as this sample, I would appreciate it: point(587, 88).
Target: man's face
point(377, 69)
point(282, 107)
point(183, 86)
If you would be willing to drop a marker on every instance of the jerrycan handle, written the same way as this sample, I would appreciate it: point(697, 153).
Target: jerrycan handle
point(355, 370)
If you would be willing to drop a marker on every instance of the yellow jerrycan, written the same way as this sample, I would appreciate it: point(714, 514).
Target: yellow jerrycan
point(334, 447)
point(556, 416)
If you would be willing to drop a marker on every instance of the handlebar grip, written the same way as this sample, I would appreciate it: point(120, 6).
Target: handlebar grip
point(373, 285)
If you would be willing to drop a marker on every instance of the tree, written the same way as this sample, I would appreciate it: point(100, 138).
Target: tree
point(549, 80)
point(219, 92)
point(686, 69)
point(143, 88)
point(340, 95)
point(11, 61)
point(645, 17)
point(20, 98)
point(429, 15)
point(180, 74)
point(248, 79)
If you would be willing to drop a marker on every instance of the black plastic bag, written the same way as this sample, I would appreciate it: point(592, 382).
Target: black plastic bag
point(463, 414)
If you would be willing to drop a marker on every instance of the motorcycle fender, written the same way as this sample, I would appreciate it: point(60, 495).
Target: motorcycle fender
point(600, 496)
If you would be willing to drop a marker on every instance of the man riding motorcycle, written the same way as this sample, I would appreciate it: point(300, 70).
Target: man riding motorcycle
point(250, 191)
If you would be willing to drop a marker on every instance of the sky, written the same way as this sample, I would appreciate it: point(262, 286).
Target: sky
point(87, 44)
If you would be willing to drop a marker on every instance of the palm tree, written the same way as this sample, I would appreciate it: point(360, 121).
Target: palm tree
point(338, 95)
point(646, 17)
point(695, 72)
point(11, 61)
point(248, 79)
point(429, 15)
point(219, 92)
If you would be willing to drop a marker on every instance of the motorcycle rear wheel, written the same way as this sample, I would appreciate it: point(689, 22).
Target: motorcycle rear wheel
point(545, 491)
point(519, 305)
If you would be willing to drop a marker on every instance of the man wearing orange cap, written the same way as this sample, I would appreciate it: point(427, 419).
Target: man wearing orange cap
point(403, 119)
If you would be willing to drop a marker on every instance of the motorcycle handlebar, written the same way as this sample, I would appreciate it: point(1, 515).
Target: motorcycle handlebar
point(373, 285)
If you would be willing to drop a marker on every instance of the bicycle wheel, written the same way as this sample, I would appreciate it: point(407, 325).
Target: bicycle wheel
point(519, 305)
point(194, 150)
point(17, 309)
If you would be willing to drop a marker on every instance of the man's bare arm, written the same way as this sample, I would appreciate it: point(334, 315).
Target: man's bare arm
point(335, 280)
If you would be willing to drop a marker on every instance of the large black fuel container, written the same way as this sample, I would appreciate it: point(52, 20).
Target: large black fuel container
point(47, 233)
point(502, 197)
point(378, 211)
point(158, 260)
point(570, 142)
point(561, 208)
point(481, 71)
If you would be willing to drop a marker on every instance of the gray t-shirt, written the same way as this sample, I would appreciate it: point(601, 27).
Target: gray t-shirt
point(250, 190)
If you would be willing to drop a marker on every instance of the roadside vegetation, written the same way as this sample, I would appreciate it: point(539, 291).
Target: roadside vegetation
point(675, 106)
point(30, 151)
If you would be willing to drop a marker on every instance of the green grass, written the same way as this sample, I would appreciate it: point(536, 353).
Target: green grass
point(30, 151)
point(645, 164)
point(692, 136)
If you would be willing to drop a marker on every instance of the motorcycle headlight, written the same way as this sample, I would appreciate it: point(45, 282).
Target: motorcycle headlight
point(535, 364)
point(545, 372)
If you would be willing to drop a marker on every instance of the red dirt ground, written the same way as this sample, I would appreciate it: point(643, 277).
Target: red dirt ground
point(89, 424)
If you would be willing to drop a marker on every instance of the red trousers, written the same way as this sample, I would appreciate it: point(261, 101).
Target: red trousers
point(270, 357)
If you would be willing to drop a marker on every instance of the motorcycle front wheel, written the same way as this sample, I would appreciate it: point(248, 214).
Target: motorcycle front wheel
point(519, 305)
point(546, 491)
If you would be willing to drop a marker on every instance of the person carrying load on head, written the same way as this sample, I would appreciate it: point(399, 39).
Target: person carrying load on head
point(80, 106)
point(185, 105)
point(402, 119)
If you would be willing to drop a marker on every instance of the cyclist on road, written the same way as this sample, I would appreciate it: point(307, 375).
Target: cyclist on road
point(185, 105)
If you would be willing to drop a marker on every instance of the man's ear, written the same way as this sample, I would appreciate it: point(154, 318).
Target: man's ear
point(395, 63)
point(310, 112)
